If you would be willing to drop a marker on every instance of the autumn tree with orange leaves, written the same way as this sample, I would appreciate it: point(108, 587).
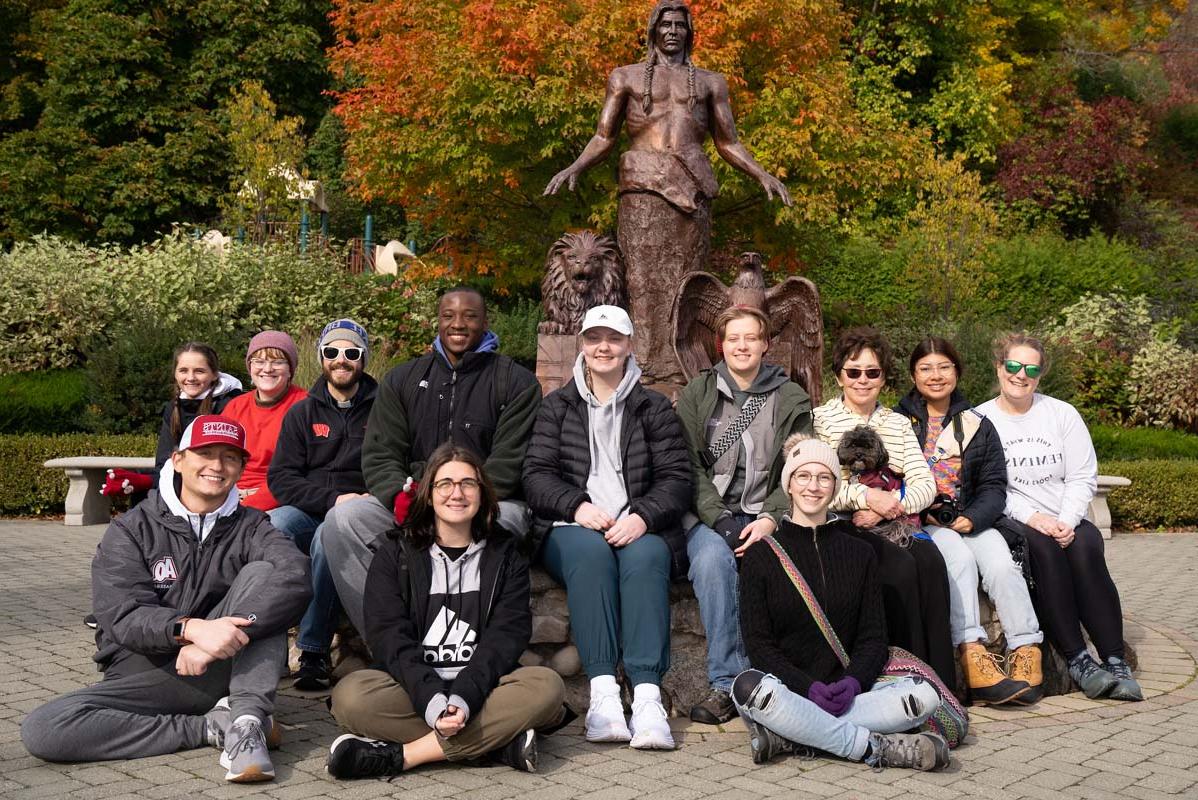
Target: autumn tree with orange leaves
point(462, 111)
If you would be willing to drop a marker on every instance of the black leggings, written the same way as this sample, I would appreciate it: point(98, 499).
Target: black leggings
point(915, 597)
point(1074, 588)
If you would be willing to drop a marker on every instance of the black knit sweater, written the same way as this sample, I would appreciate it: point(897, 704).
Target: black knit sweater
point(782, 638)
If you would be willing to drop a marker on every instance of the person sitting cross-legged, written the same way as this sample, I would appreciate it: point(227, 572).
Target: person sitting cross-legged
point(447, 618)
point(194, 594)
point(317, 466)
point(814, 680)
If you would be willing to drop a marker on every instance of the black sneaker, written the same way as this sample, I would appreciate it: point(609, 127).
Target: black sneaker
point(520, 753)
point(91, 622)
point(315, 672)
point(714, 709)
point(765, 744)
point(1095, 681)
point(358, 757)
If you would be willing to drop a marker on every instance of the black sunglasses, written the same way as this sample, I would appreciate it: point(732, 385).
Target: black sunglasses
point(853, 373)
point(331, 353)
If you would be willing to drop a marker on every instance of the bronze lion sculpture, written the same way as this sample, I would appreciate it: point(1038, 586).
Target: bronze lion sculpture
point(582, 270)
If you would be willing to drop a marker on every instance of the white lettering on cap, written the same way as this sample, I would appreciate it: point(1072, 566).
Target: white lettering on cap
point(225, 429)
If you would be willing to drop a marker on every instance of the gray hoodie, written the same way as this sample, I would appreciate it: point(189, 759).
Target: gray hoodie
point(605, 484)
point(201, 524)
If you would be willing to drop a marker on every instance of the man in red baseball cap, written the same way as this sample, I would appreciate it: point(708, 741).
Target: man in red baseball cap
point(194, 594)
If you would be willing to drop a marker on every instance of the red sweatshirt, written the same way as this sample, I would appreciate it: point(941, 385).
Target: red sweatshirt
point(262, 425)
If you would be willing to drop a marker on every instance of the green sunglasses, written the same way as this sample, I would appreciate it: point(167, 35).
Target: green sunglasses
point(1031, 370)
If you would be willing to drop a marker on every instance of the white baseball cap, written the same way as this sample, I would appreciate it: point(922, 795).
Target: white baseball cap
point(612, 317)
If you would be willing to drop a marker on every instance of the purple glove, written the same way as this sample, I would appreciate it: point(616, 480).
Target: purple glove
point(820, 693)
point(843, 691)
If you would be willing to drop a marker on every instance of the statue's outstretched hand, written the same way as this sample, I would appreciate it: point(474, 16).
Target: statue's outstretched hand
point(567, 176)
point(774, 187)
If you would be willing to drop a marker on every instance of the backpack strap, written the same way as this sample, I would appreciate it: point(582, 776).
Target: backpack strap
point(804, 590)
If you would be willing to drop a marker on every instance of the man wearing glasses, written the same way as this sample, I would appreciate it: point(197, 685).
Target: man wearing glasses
point(318, 465)
point(463, 391)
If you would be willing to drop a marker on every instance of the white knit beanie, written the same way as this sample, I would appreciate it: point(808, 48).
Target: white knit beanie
point(801, 449)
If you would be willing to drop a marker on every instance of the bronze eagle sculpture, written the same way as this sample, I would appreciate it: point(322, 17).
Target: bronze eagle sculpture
point(796, 322)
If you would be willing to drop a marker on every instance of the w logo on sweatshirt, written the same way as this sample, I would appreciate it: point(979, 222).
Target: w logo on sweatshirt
point(449, 640)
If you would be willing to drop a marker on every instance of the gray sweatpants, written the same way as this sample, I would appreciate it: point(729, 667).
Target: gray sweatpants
point(158, 711)
point(348, 538)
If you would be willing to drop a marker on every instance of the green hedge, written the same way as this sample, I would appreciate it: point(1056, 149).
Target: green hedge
point(1133, 444)
point(28, 488)
point(1163, 494)
point(53, 401)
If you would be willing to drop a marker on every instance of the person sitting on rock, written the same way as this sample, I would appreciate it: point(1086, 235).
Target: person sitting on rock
point(462, 391)
point(447, 618)
point(608, 478)
point(965, 455)
point(736, 416)
point(317, 466)
point(800, 692)
point(194, 594)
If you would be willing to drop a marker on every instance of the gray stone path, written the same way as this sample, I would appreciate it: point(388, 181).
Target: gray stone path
point(1067, 747)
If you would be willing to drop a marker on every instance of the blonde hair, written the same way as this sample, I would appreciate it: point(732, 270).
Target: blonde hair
point(1007, 342)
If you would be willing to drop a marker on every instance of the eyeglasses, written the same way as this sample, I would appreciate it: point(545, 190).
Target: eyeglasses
point(824, 480)
point(331, 353)
point(1031, 370)
point(947, 368)
point(263, 363)
point(853, 373)
point(444, 487)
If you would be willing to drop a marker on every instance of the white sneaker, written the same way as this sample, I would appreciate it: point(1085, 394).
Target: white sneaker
point(605, 720)
point(650, 728)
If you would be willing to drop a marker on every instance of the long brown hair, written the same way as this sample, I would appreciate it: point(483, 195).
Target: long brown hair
point(213, 360)
point(420, 527)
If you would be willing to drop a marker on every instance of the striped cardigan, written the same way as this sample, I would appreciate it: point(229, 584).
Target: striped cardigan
point(833, 419)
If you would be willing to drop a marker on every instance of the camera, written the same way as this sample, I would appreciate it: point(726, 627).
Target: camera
point(944, 510)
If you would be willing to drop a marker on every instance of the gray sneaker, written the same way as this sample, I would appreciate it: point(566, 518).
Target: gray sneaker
point(220, 717)
point(923, 751)
point(1095, 681)
point(1127, 688)
point(245, 755)
point(765, 744)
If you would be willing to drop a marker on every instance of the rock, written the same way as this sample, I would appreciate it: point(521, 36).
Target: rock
point(554, 629)
point(565, 662)
point(531, 659)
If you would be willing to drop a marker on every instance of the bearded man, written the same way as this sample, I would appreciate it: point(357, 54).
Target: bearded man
point(666, 182)
point(318, 465)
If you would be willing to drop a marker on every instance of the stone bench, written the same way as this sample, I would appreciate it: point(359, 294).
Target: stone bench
point(84, 504)
point(1100, 512)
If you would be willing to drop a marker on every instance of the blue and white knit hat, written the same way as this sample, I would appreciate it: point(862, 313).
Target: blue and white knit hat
point(345, 329)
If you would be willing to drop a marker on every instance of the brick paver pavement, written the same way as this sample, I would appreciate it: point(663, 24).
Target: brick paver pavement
point(1067, 747)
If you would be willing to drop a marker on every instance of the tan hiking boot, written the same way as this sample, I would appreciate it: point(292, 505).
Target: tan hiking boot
point(1025, 666)
point(988, 684)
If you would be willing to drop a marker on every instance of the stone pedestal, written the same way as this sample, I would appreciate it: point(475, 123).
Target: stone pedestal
point(555, 360)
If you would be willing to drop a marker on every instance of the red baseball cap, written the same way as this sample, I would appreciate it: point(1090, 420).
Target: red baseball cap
point(213, 429)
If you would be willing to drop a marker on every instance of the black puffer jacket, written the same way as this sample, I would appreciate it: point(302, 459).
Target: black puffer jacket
point(657, 470)
point(983, 465)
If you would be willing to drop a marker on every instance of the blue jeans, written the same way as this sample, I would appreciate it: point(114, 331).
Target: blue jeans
point(886, 708)
point(619, 600)
point(319, 624)
point(714, 578)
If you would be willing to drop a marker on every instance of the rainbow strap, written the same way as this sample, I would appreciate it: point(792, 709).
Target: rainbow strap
point(800, 583)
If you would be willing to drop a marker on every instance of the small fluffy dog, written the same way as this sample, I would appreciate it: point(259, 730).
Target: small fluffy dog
point(862, 453)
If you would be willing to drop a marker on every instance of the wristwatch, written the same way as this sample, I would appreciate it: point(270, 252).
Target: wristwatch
point(178, 628)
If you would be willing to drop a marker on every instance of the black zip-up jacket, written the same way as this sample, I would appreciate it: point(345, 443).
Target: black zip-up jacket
point(782, 637)
point(983, 490)
point(149, 571)
point(657, 467)
point(396, 604)
point(319, 453)
point(424, 402)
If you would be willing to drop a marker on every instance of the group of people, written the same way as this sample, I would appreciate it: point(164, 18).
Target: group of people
point(416, 504)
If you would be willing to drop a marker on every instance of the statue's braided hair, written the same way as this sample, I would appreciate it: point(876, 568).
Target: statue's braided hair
point(658, 12)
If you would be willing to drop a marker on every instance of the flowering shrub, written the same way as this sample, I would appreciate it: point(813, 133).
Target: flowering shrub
point(1163, 386)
